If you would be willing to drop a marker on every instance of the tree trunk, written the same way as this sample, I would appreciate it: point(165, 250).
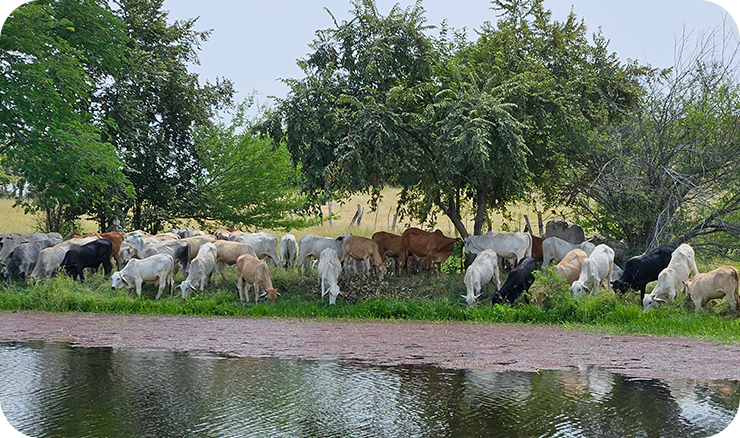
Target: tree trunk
point(480, 212)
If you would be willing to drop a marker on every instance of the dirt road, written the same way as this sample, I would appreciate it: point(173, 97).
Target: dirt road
point(449, 345)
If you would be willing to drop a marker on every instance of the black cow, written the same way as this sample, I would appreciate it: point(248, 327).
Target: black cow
point(519, 280)
point(641, 270)
point(89, 255)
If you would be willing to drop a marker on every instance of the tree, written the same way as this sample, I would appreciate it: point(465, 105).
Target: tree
point(245, 181)
point(155, 108)
point(54, 54)
point(454, 124)
point(669, 173)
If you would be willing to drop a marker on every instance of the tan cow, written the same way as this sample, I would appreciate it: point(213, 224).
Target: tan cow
point(363, 249)
point(252, 271)
point(570, 267)
point(723, 281)
point(227, 253)
point(389, 245)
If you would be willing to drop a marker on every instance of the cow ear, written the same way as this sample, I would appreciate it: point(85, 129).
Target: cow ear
point(192, 287)
point(123, 279)
point(660, 300)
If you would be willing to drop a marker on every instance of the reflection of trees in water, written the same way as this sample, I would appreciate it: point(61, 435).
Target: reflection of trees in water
point(154, 393)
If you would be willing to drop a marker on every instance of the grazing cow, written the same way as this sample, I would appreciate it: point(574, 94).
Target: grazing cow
point(363, 249)
point(196, 242)
point(157, 268)
point(643, 269)
point(619, 246)
point(723, 281)
point(201, 268)
point(329, 270)
point(288, 251)
point(310, 246)
point(89, 255)
point(49, 259)
point(565, 230)
point(434, 247)
point(252, 271)
point(24, 256)
point(520, 280)
point(569, 267)
point(670, 279)
point(179, 250)
point(10, 241)
point(264, 244)
point(510, 246)
point(595, 270)
point(555, 248)
point(482, 271)
point(389, 246)
point(227, 253)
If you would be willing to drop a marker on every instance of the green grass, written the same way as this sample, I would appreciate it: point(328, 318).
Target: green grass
point(398, 298)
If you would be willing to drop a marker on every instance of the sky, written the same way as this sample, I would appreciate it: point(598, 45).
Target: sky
point(255, 43)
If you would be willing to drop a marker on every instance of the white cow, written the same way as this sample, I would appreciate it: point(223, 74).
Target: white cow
point(157, 268)
point(178, 249)
point(596, 269)
point(201, 268)
point(329, 270)
point(483, 269)
point(510, 246)
point(288, 250)
point(723, 281)
point(670, 279)
point(555, 248)
point(49, 259)
point(265, 244)
point(311, 246)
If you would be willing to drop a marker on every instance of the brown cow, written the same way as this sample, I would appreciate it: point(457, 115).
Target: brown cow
point(389, 245)
point(434, 247)
point(252, 271)
point(364, 249)
point(537, 248)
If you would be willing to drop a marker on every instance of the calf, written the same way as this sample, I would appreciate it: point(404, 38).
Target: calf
point(481, 272)
point(595, 270)
point(570, 266)
point(288, 251)
point(363, 249)
point(227, 253)
point(201, 268)
point(670, 279)
point(89, 255)
point(159, 268)
point(643, 269)
point(520, 279)
point(329, 270)
point(723, 281)
point(252, 271)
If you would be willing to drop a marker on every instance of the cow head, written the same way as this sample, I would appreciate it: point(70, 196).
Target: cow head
point(579, 289)
point(333, 293)
point(471, 299)
point(186, 287)
point(497, 298)
point(271, 294)
point(650, 302)
point(118, 281)
point(687, 287)
point(618, 286)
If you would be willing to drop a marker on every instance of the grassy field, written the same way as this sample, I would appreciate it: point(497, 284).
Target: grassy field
point(14, 219)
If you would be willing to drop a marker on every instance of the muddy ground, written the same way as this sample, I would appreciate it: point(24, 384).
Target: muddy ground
point(448, 345)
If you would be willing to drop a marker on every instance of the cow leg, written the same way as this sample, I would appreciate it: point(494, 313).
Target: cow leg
point(429, 264)
point(138, 283)
point(256, 292)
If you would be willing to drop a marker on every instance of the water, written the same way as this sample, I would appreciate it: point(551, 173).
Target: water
point(55, 390)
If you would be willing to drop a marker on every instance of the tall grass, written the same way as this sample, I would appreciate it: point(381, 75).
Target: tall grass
point(406, 298)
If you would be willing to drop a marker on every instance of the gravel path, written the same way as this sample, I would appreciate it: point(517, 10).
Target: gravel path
point(449, 345)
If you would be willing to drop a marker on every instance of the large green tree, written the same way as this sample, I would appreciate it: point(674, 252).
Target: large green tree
point(456, 125)
point(54, 55)
point(156, 107)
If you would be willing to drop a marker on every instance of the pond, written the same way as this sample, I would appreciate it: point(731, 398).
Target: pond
point(57, 390)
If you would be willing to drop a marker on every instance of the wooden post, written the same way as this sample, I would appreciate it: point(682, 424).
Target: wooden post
point(539, 224)
point(330, 224)
point(357, 217)
point(395, 217)
point(529, 226)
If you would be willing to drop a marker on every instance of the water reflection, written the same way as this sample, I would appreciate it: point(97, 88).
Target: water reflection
point(51, 390)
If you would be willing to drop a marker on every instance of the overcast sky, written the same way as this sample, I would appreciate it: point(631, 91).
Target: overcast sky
point(255, 42)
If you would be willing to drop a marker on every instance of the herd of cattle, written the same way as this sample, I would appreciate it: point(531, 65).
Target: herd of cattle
point(586, 265)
